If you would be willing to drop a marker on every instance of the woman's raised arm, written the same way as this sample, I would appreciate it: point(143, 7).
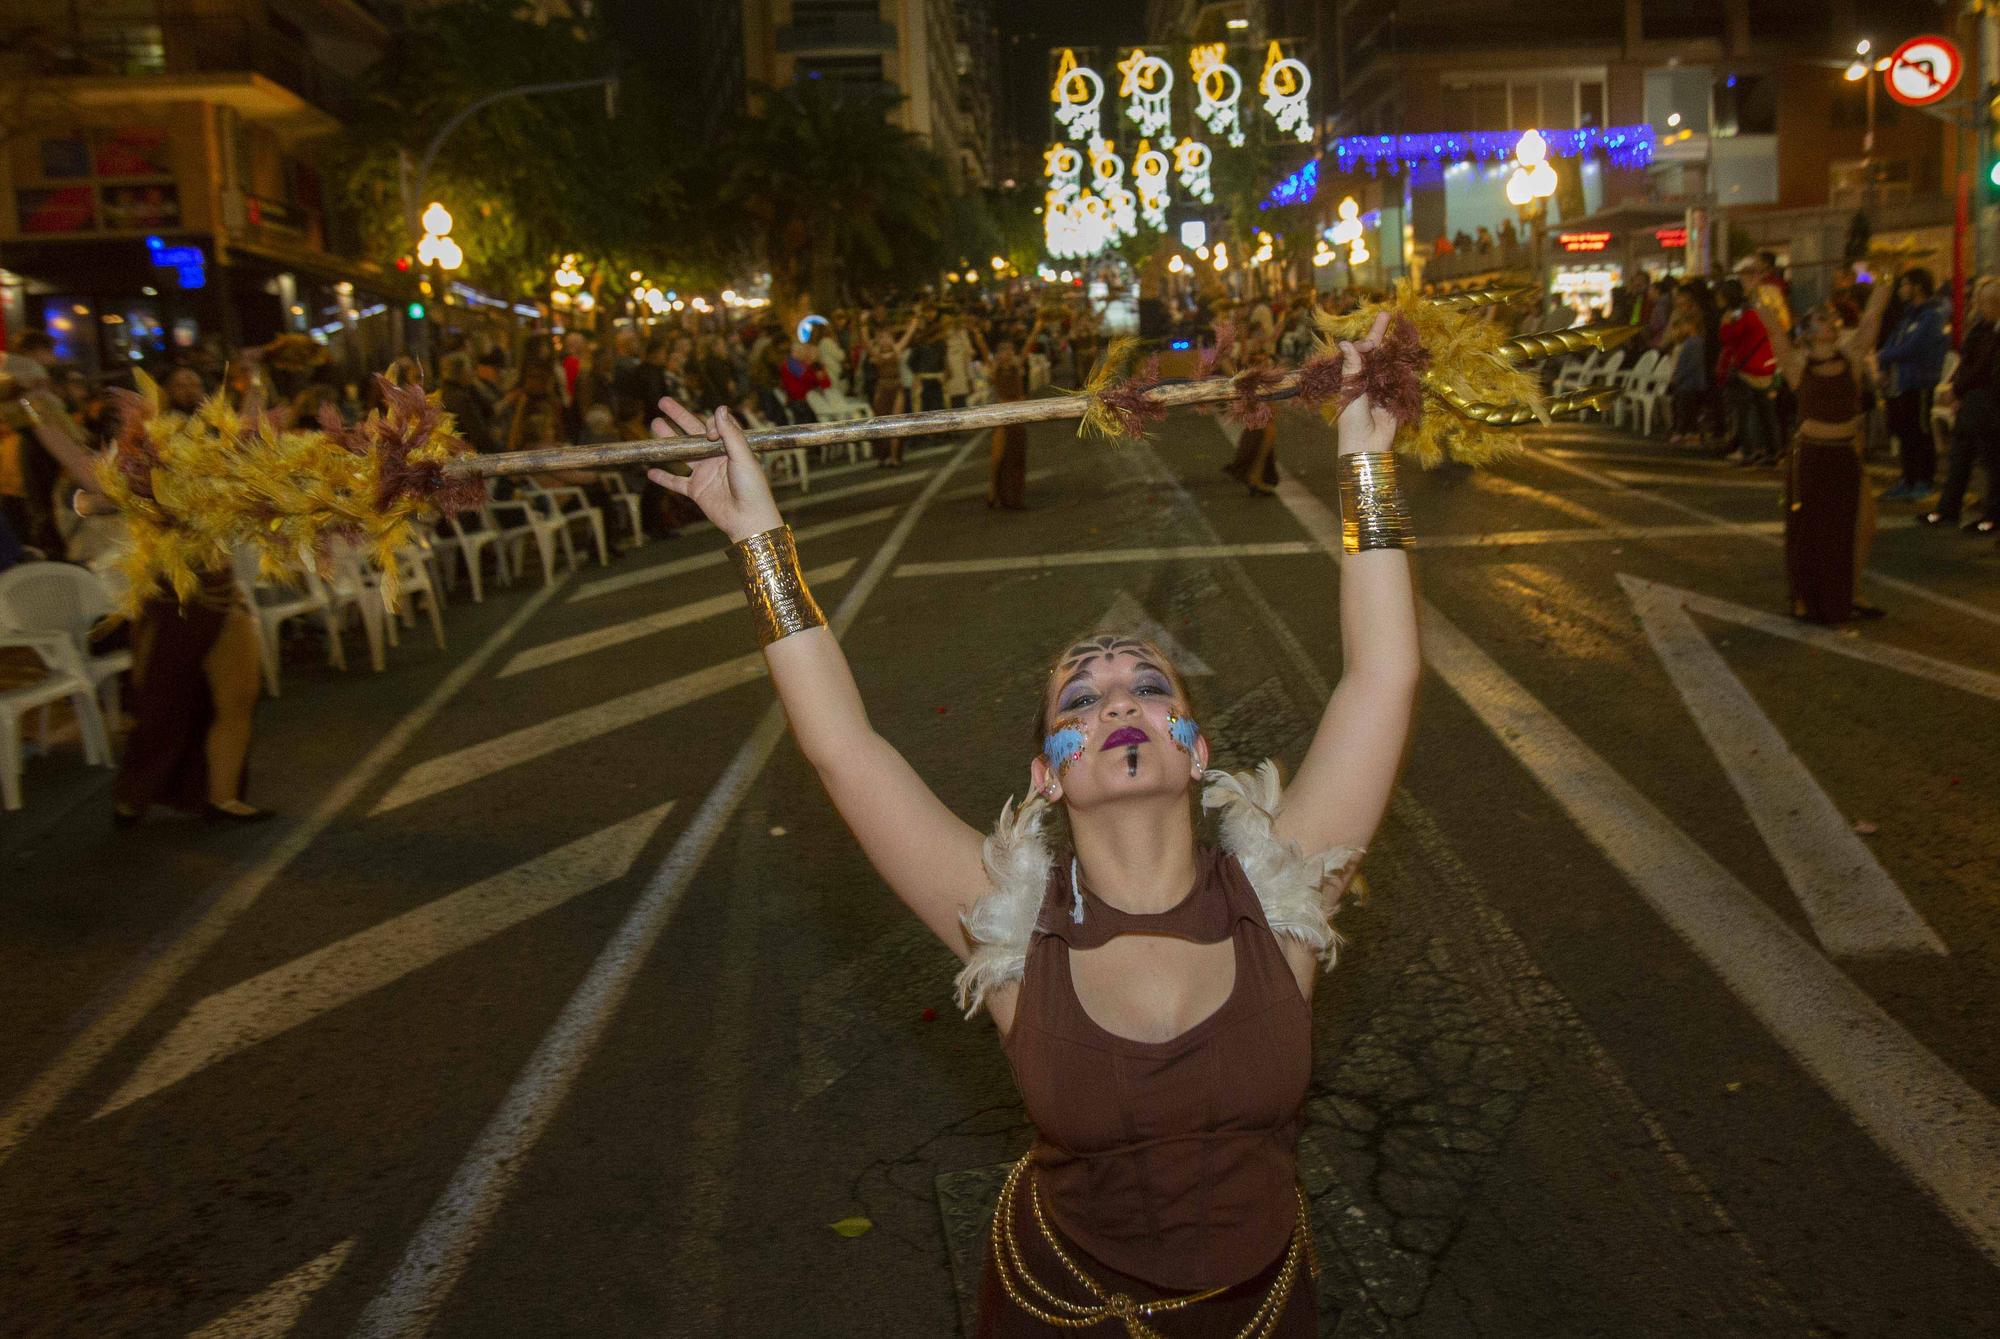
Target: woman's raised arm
point(928, 856)
point(1343, 786)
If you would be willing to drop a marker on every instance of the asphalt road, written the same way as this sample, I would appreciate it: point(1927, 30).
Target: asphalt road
point(559, 1003)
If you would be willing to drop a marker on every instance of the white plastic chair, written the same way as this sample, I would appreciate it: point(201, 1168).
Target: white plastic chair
point(346, 585)
point(414, 573)
point(1652, 395)
point(66, 600)
point(627, 497)
point(529, 523)
point(276, 605)
point(571, 504)
point(471, 546)
point(63, 680)
point(1579, 374)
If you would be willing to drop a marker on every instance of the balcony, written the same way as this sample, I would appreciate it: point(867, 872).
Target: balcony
point(840, 33)
point(251, 65)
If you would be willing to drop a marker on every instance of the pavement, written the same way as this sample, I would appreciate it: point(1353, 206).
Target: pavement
point(558, 1002)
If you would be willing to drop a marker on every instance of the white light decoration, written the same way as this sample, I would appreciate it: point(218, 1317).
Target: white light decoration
point(1194, 233)
point(1285, 84)
point(1219, 92)
point(1107, 172)
point(1349, 228)
point(1147, 85)
point(1542, 179)
point(1221, 261)
point(1079, 97)
point(1322, 255)
point(1176, 265)
point(1149, 174)
point(437, 219)
point(1192, 159)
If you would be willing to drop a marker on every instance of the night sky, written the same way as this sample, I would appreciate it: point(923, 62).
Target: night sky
point(1028, 28)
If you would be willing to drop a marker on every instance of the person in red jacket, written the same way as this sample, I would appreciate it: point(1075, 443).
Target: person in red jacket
point(800, 376)
point(1745, 371)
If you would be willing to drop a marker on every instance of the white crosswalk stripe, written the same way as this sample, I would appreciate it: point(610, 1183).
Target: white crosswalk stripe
point(1128, 616)
point(274, 1311)
point(617, 634)
point(1855, 908)
point(611, 585)
point(301, 990)
point(454, 769)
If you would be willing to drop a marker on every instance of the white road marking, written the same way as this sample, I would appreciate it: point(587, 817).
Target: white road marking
point(276, 1310)
point(1772, 486)
point(1294, 548)
point(1489, 481)
point(1128, 616)
point(584, 643)
point(979, 490)
point(694, 562)
point(450, 770)
point(1855, 908)
point(1949, 673)
point(299, 991)
point(1093, 557)
point(436, 1257)
point(1943, 1133)
point(886, 479)
point(152, 981)
point(1722, 524)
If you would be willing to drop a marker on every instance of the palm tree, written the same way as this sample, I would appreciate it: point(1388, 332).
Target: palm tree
point(836, 193)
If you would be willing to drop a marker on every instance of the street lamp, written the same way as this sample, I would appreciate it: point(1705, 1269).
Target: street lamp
point(1531, 182)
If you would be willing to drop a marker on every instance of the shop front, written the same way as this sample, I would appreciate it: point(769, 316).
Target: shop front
point(1592, 258)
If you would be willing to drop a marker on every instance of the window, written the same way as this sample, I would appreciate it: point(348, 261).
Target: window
point(1747, 104)
point(1526, 101)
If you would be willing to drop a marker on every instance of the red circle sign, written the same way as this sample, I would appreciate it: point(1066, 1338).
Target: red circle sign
point(1923, 70)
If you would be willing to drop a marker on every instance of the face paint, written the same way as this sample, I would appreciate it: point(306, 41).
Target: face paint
point(1064, 744)
point(1131, 760)
point(1183, 731)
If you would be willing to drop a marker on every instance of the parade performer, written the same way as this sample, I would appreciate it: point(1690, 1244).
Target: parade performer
point(1151, 994)
point(1007, 475)
point(1829, 509)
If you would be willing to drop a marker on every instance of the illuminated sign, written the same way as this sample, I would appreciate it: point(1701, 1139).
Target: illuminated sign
point(1671, 237)
point(1584, 241)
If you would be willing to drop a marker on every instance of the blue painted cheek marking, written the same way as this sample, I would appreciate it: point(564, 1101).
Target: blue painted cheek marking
point(1183, 730)
point(1062, 746)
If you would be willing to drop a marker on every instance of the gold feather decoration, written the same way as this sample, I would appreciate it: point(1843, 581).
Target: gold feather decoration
point(1099, 419)
point(194, 488)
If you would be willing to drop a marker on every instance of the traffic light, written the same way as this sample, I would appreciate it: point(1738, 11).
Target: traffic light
point(1993, 143)
point(415, 311)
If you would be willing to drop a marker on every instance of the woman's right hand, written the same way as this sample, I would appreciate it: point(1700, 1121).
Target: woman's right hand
point(730, 489)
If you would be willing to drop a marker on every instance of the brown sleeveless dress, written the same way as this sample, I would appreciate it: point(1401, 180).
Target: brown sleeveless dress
point(1164, 1167)
point(1823, 493)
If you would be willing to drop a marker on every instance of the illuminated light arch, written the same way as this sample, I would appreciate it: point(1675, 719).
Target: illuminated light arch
point(1219, 92)
point(1078, 93)
point(1285, 85)
point(1147, 83)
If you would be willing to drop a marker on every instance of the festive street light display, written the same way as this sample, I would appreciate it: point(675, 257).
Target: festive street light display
point(1533, 178)
point(1426, 156)
point(1086, 214)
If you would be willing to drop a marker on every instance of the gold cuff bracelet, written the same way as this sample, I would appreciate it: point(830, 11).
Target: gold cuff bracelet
point(1371, 503)
point(768, 562)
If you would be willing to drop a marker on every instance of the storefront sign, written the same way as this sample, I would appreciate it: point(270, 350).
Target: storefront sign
point(1672, 238)
point(58, 209)
point(1583, 241)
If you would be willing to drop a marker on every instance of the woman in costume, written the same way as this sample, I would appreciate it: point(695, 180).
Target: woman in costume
point(1255, 464)
point(1007, 475)
point(1829, 509)
point(1152, 995)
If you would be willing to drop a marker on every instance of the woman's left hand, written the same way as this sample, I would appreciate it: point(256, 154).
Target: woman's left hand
point(1363, 425)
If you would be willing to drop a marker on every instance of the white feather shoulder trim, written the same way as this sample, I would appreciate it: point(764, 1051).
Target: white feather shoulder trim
point(1290, 886)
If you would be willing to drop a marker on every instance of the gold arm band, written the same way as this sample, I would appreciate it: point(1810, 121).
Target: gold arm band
point(768, 562)
point(1371, 503)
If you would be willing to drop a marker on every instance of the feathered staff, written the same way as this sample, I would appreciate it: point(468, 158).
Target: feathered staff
point(196, 487)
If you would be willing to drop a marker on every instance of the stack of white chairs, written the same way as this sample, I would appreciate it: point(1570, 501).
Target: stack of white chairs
point(49, 608)
point(1627, 380)
point(830, 407)
point(1579, 372)
point(570, 504)
point(1649, 394)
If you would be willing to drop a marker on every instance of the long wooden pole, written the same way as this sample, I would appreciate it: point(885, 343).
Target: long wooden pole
point(655, 450)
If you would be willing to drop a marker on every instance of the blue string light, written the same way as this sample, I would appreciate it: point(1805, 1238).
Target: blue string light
point(1297, 189)
point(1626, 147)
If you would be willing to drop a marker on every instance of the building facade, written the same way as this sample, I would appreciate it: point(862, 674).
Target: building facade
point(157, 181)
point(1718, 85)
point(909, 47)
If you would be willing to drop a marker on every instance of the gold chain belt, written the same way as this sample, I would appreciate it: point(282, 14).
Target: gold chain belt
point(1106, 1305)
